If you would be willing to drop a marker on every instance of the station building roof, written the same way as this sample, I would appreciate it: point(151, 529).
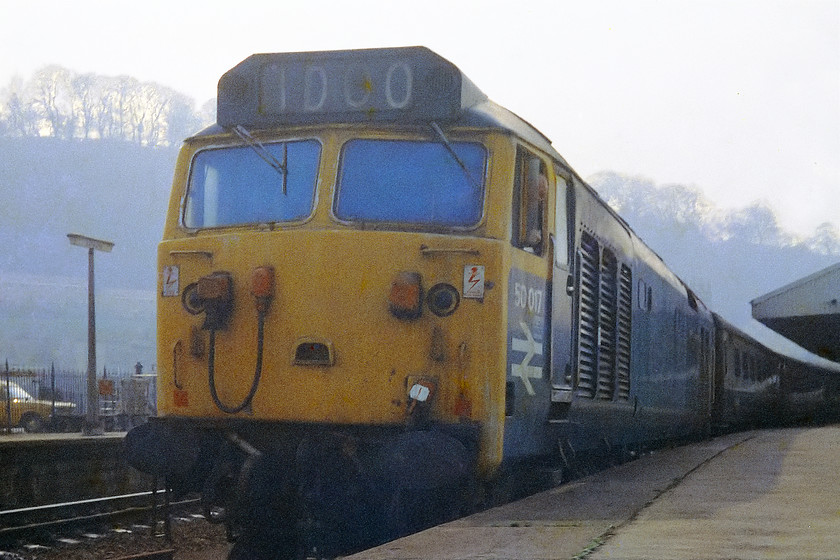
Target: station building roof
point(806, 311)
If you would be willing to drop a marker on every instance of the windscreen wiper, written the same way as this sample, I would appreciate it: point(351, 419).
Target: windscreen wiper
point(443, 140)
point(264, 154)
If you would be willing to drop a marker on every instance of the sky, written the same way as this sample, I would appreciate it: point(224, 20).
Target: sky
point(738, 98)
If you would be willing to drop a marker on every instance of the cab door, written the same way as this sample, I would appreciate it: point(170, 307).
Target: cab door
point(528, 384)
point(562, 298)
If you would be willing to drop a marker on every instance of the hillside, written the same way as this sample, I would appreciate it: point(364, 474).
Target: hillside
point(112, 190)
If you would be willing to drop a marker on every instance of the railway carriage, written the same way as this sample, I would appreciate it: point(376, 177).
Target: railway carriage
point(808, 392)
point(382, 294)
point(748, 390)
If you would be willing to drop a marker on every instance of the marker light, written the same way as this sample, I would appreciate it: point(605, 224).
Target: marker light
point(215, 287)
point(443, 299)
point(405, 297)
point(191, 301)
point(262, 286)
point(216, 291)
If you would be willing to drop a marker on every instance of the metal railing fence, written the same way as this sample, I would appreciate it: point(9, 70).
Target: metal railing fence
point(51, 399)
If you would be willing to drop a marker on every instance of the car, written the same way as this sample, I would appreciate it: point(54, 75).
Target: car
point(27, 412)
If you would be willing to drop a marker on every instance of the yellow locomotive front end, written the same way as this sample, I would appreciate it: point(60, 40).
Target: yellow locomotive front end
point(331, 334)
point(332, 310)
point(349, 305)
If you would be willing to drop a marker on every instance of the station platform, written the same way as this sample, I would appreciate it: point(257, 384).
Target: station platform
point(751, 495)
point(47, 468)
point(23, 438)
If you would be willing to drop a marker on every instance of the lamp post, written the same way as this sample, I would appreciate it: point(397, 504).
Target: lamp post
point(92, 425)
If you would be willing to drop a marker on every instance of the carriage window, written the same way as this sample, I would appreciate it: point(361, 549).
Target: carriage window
point(239, 185)
point(411, 182)
point(645, 296)
point(529, 196)
point(561, 225)
point(642, 297)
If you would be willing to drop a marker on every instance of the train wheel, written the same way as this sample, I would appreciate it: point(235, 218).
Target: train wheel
point(215, 497)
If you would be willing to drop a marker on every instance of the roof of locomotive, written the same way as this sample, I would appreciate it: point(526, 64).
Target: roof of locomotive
point(399, 86)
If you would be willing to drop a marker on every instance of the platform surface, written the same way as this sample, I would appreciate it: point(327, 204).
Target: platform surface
point(24, 439)
point(752, 495)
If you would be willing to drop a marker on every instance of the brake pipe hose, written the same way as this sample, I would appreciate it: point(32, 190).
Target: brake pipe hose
point(211, 368)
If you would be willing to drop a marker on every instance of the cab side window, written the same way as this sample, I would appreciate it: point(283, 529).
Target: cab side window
point(529, 200)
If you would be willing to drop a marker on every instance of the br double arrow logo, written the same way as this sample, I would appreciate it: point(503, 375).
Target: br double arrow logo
point(532, 348)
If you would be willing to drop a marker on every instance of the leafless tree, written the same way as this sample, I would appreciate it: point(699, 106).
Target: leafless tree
point(53, 100)
point(57, 102)
point(181, 119)
point(85, 103)
point(756, 224)
point(17, 116)
point(826, 239)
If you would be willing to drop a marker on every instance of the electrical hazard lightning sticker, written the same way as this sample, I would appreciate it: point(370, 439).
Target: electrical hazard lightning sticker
point(170, 281)
point(474, 281)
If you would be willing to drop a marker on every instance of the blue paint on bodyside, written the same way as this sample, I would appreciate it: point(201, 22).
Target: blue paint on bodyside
point(528, 384)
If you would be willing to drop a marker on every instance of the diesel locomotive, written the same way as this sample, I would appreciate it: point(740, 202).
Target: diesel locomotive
point(383, 297)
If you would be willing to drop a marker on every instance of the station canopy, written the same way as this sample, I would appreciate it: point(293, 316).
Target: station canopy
point(806, 311)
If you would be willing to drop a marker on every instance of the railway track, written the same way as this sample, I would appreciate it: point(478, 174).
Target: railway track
point(14, 521)
point(88, 516)
point(167, 554)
